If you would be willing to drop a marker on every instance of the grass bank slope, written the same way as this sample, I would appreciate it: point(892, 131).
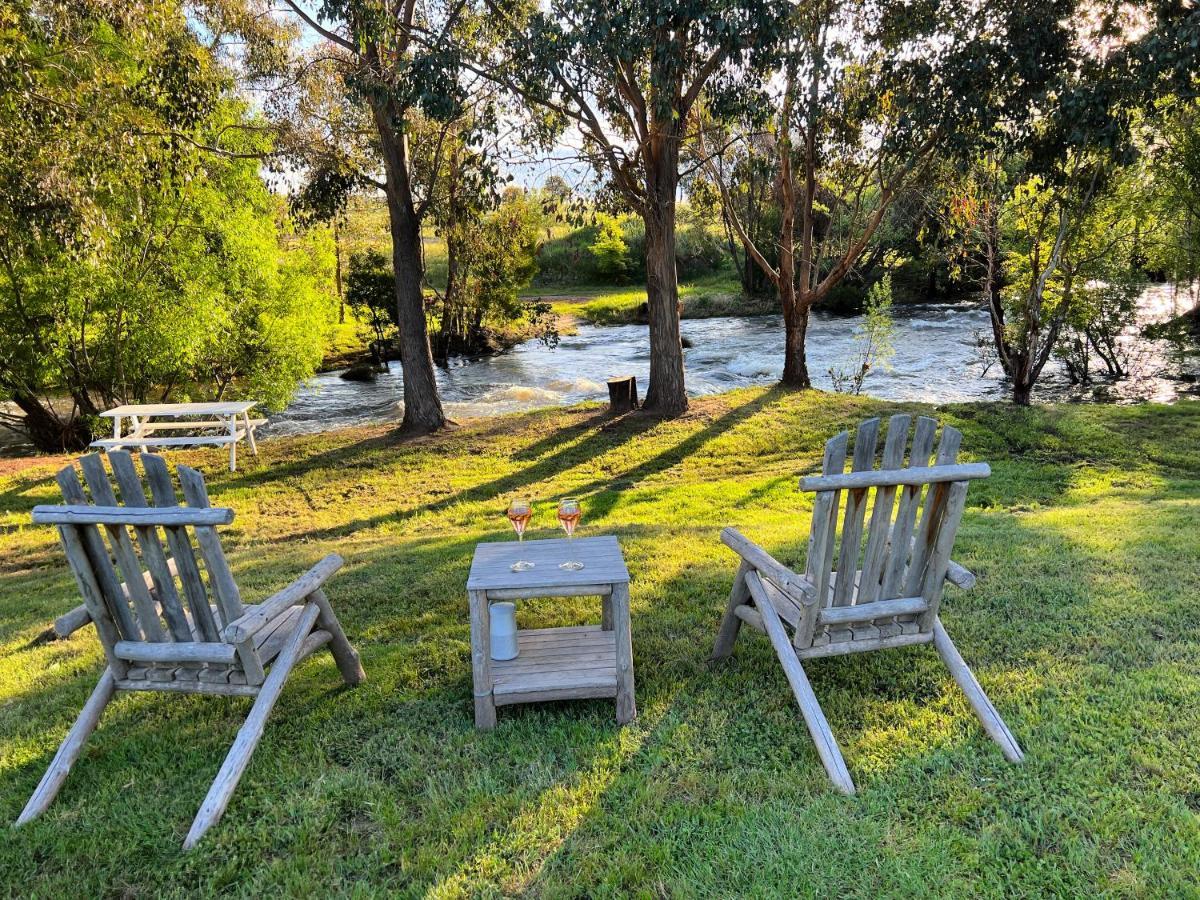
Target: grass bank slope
point(1083, 628)
point(705, 298)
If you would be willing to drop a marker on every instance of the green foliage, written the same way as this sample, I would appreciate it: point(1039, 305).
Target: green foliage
point(565, 259)
point(609, 250)
point(1101, 312)
point(1172, 156)
point(698, 252)
point(874, 338)
point(500, 257)
point(142, 255)
point(371, 296)
point(557, 187)
point(491, 258)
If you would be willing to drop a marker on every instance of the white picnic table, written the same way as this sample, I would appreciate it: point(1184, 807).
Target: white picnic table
point(231, 420)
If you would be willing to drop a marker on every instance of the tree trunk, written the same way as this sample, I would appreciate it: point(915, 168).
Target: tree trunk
point(795, 359)
point(448, 333)
point(422, 405)
point(796, 300)
point(1022, 386)
point(666, 393)
point(47, 431)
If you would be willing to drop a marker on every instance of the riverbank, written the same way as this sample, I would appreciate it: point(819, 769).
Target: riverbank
point(1081, 629)
point(712, 297)
point(349, 342)
point(718, 295)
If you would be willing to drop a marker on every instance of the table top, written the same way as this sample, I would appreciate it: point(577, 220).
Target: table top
point(601, 558)
point(181, 409)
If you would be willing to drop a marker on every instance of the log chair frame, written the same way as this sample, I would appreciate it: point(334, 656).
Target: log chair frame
point(152, 639)
point(857, 594)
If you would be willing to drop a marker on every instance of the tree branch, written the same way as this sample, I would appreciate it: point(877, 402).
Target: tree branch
point(312, 23)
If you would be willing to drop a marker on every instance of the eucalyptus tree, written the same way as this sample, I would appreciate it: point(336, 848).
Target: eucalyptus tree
point(625, 76)
point(400, 61)
point(864, 96)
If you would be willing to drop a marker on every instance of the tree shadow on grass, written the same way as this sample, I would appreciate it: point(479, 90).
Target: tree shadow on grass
point(597, 441)
point(400, 753)
point(908, 733)
point(558, 799)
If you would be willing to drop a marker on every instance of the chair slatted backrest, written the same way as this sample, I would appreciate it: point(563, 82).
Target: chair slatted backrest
point(896, 532)
point(152, 572)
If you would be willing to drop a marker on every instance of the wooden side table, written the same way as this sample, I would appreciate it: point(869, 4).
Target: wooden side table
point(573, 663)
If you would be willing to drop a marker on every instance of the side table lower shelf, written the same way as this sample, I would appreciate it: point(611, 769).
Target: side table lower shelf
point(574, 663)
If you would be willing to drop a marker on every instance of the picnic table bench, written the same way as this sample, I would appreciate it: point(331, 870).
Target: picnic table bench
point(147, 420)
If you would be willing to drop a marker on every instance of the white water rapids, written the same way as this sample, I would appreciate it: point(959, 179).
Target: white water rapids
point(936, 360)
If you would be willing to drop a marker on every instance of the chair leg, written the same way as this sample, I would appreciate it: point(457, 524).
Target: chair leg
point(251, 731)
point(810, 708)
point(992, 723)
point(69, 750)
point(730, 623)
point(343, 652)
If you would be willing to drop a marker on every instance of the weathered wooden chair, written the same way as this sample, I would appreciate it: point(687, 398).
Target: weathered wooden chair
point(875, 587)
point(151, 639)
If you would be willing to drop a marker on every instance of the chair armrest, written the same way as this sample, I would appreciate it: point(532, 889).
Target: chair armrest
point(245, 627)
point(960, 576)
point(768, 565)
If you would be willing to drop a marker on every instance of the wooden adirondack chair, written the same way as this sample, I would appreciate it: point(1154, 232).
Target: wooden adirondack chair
point(880, 585)
point(152, 640)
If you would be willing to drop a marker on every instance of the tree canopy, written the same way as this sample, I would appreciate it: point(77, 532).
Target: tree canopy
point(141, 253)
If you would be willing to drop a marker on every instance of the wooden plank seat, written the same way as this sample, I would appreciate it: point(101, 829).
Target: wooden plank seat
point(188, 425)
point(169, 616)
point(857, 593)
point(189, 440)
point(268, 643)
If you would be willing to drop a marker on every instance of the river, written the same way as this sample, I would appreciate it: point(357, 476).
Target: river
point(936, 360)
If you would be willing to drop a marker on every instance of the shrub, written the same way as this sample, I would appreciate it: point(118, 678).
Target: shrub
point(371, 294)
point(698, 252)
point(610, 252)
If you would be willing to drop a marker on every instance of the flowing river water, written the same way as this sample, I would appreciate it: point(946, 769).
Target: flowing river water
point(937, 359)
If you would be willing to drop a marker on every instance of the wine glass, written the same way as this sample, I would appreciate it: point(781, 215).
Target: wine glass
point(569, 514)
point(519, 513)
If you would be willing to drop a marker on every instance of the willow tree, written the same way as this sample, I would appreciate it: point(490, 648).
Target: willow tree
point(626, 75)
point(141, 254)
point(863, 97)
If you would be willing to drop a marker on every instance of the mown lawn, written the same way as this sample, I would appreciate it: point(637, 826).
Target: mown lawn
point(1084, 629)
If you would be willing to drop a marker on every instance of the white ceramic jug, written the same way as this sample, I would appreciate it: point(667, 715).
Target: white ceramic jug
point(504, 630)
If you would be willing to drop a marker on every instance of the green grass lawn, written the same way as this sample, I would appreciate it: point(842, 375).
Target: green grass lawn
point(1084, 629)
